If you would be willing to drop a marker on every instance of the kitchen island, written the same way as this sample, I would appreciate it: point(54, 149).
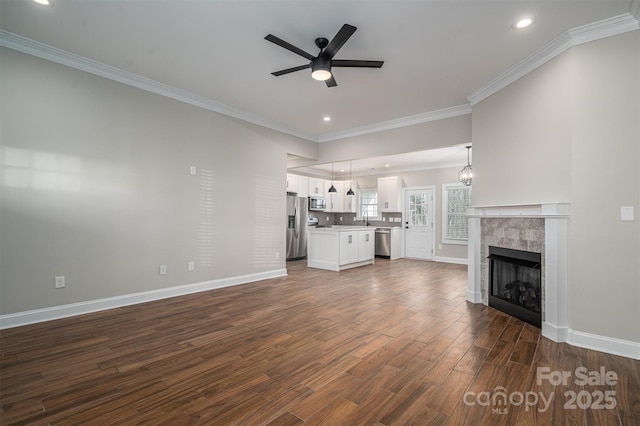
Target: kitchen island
point(340, 247)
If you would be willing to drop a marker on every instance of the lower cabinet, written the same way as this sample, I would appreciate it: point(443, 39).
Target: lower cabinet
point(356, 246)
point(334, 249)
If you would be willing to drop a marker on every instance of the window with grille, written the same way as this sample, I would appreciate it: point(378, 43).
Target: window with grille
point(456, 198)
point(368, 204)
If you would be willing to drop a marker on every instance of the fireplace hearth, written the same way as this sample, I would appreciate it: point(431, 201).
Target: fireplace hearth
point(515, 283)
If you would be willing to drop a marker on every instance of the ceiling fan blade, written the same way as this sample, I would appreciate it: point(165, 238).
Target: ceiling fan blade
point(331, 82)
point(356, 63)
point(341, 38)
point(288, 70)
point(288, 46)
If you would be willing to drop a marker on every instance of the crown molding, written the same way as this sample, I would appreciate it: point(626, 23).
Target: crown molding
point(53, 54)
point(634, 10)
point(573, 37)
point(583, 34)
point(400, 122)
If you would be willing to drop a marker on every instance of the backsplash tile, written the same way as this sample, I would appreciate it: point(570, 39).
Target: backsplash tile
point(348, 219)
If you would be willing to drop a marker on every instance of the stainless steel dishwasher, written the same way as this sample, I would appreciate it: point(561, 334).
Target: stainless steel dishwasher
point(383, 242)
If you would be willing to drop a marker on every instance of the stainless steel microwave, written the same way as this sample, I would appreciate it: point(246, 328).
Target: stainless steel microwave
point(317, 204)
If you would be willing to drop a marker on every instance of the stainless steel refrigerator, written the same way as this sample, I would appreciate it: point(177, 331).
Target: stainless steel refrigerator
point(296, 226)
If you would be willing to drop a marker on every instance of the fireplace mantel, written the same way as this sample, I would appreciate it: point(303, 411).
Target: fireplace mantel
point(556, 219)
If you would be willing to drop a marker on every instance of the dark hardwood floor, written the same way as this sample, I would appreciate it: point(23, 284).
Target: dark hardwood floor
point(394, 343)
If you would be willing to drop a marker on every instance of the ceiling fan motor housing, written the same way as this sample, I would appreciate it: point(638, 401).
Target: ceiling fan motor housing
point(322, 42)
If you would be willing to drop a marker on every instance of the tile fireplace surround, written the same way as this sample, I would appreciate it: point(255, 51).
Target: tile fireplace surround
point(540, 228)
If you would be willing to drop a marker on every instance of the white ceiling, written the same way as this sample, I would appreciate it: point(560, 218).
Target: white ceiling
point(436, 52)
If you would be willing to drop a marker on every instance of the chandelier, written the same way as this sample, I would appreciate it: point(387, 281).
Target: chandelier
point(465, 176)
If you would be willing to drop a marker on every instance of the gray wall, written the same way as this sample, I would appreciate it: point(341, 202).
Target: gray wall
point(569, 131)
point(96, 187)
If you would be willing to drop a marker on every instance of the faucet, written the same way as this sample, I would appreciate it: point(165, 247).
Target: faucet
point(365, 217)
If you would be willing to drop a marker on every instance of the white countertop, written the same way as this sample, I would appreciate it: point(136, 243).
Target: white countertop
point(350, 228)
point(341, 228)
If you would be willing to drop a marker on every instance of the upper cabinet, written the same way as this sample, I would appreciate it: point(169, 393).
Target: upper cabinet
point(335, 200)
point(316, 187)
point(389, 194)
point(303, 186)
point(292, 183)
point(298, 184)
point(349, 203)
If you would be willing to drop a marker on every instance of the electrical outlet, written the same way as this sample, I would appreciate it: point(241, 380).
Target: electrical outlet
point(59, 282)
point(340, 218)
point(163, 269)
point(277, 255)
point(193, 170)
point(191, 266)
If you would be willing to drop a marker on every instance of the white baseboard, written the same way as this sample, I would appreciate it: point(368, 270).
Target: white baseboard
point(457, 260)
point(47, 314)
point(474, 297)
point(610, 345)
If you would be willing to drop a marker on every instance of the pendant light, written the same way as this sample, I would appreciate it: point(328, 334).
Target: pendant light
point(333, 188)
point(350, 191)
point(465, 175)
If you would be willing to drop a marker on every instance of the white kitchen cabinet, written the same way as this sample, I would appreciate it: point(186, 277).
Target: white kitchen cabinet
point(389, 194)
point(292, 183)
point(335, 200)
point(303, 186)
point(366, 245)
point(316, 187)
point(349, 201)
point(340, 247)
point(349, 247)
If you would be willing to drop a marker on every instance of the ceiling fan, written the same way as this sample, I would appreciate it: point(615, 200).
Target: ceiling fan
point(321, 65)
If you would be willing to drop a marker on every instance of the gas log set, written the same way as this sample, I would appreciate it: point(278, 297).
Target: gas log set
point(515, 283)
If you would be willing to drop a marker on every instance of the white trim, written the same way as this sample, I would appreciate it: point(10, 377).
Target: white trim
point(626, 348)
point(80, 308)
point(456, 260)
point(53, 54)
point(440, 114)
point(611, 345)
point(634, 9)
point(573, 37)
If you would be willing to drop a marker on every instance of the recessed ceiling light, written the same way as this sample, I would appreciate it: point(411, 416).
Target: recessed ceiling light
point(44, 2)
point(522, 23)
point(326, 118)
point(387, 165)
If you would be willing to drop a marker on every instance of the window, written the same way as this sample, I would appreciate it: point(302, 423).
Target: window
point(456, 198)
point(368, 206)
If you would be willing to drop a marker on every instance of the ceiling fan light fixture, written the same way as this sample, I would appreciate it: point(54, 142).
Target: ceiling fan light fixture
point(320, 69)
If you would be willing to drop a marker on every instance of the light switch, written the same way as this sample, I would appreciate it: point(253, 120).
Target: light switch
point(626, 213)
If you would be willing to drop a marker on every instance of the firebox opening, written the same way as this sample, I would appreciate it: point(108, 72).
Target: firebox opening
point(515, 283)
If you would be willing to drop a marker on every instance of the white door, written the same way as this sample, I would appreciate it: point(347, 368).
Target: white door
point(419, 223)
